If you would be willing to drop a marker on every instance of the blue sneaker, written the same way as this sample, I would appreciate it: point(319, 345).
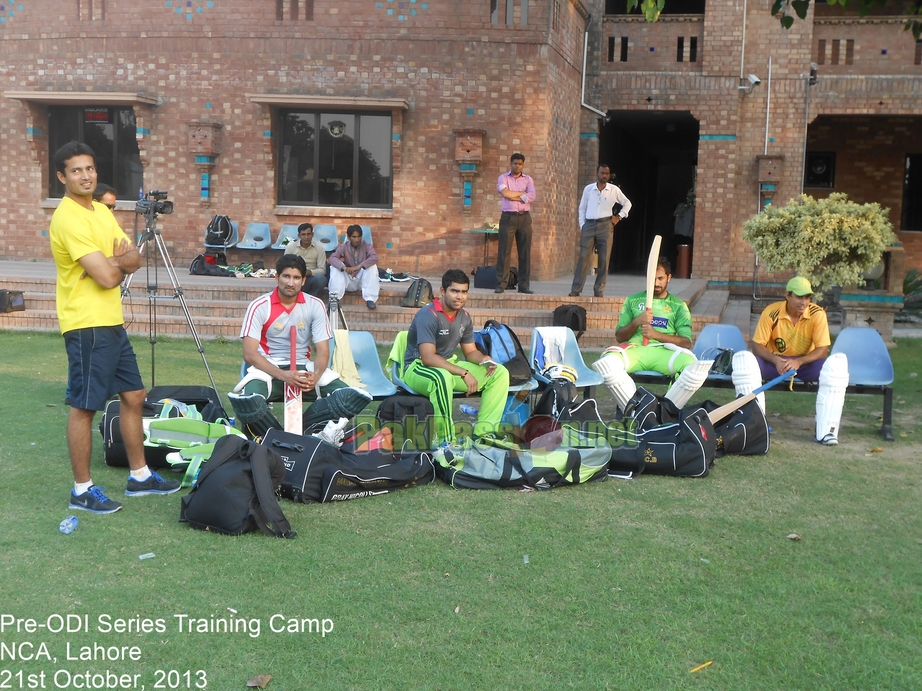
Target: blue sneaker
point(152, 485)
point(94, 501)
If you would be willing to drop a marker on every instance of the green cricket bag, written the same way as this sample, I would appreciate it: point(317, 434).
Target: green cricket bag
point(493, 464)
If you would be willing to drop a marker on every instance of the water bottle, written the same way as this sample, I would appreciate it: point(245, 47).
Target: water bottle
point(468, 409)
point(68, 525)
point(444, 452)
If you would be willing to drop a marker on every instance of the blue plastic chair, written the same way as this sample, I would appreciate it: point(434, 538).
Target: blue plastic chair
point(869, 362)
point(325, 234)
point(257, 237)
point(288, 230)
point(366, 234)
point(368, 364)
point(585, 378)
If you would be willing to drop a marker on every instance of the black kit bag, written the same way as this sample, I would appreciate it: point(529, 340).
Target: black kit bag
point(370, 473)
point(11, 301)
point(418, 294)
point(743, 433)
point(305, 459)
point(219, 231)
point(668, 441)
point(235, 491)
point(407, 417)
point(206, 402)
point(500, 343)
point(572, 316)
point(485, 277)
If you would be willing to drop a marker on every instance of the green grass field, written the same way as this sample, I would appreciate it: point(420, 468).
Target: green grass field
point(627, 585)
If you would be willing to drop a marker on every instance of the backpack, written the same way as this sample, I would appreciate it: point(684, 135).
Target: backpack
point(558, 398)
point(235, 491)
point(418, 294)
point(219, 230)
point(407, 417)
point(572, 316)
point(500, 343)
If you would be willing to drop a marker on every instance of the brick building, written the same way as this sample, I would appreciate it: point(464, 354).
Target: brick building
point(400, 114)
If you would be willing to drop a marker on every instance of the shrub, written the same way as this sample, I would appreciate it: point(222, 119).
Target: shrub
point(833, 241)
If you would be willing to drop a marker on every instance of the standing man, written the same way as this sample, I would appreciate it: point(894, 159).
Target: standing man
point(93, 255)
point(518, 192)
point(667, 326)
point(432, 368)
point(315, 259)
point(597, 225)
point(355, 268)
point(794, 335)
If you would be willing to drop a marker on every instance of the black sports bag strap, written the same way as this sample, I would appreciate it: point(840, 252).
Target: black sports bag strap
point(571, 469)
point(520, 349)
point(491, 322)
point(266, 509)
point(512, 457)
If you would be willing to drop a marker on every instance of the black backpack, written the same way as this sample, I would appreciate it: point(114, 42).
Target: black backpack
point(407, 417)
point(235, 491)
point(558, 398)
point(572, 316)
point(219, 231)
point(500, 343)
point(418, 294)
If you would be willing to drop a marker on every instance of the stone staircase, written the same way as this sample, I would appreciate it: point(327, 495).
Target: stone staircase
point(216, 305)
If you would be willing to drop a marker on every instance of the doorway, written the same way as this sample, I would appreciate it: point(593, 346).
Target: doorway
point(653, 158)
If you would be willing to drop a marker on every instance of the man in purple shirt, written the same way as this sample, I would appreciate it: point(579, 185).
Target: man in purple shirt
point(518, 192)
point(354, 267)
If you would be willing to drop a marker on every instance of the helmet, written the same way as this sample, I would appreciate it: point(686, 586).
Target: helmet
point(542, 433)
point(557, 371)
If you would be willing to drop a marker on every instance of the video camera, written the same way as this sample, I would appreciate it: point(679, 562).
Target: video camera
point(154, 204)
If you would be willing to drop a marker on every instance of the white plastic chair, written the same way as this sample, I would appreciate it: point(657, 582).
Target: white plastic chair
point(288, 230)
point(257, 237)
point(586, 378)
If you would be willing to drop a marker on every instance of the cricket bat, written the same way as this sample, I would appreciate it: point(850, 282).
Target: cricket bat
point(293, 392)
point(652, 261)
point(724, 411)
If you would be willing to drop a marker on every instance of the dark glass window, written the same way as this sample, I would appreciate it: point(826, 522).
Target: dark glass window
point(111, 133)
point(335, 159)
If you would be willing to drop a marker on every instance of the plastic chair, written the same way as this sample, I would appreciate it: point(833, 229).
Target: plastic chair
point(366, 234)
point(869, 362)
point(718, 336)
point(585, 377)
point(231, 241)
point(368, 364)
point(325, 234)
point(257, 237)
point(288, 231)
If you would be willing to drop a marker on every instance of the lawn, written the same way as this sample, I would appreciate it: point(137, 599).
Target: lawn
point(615, 585)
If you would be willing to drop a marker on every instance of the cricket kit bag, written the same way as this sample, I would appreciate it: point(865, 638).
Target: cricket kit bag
point(502, 345)
point(235, 491)
point(489, 463)
point(744, 432)
point(316, 471)
point(485, 277)
point(668, 441)
point(162, 402)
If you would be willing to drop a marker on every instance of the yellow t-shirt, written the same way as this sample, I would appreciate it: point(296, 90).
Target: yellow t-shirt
point(776, 332)
point(76, 232)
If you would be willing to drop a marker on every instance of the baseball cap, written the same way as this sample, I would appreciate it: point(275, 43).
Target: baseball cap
point(800, 286)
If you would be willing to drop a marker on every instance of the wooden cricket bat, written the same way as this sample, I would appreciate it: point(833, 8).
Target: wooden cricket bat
point(652, 261)
point(718, 414)
point(293, 392)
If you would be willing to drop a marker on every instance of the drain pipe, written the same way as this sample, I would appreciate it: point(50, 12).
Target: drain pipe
point(582, 96)
point(743, 51)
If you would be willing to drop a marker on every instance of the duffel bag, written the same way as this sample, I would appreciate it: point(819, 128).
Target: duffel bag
point(744, 432)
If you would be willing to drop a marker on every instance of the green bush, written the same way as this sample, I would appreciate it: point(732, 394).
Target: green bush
point(833, 241)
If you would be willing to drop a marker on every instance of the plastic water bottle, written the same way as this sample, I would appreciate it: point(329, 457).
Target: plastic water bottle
point(468, 409)
point(68, 525)
point(444, 452)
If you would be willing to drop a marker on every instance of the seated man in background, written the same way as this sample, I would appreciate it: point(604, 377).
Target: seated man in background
point(432, 368)
point(105, 195)
point(793, 334)
point(354, 267)
point(667, 326)
point(266, 335)
point(315, 259)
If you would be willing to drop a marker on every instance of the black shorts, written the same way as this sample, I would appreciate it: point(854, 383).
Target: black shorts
point(100, 364)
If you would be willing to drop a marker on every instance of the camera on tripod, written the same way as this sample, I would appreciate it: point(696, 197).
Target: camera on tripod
point(154, 204)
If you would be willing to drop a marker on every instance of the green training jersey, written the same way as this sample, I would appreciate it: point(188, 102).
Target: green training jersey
point(670, 315)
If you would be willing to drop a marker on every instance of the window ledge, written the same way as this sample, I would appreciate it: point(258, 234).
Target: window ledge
point(349, 102)
point(350, 212)
point(78, 98)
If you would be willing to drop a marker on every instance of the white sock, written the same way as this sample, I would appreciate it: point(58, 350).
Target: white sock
point(82, 487)
point(141, 474)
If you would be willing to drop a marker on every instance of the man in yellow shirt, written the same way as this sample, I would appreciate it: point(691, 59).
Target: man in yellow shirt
point(93, 255)
point(794, 335)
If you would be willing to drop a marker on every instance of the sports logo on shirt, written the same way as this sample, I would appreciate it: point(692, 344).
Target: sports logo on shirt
point(661, 322)
point(780, 345)
point(443, 332)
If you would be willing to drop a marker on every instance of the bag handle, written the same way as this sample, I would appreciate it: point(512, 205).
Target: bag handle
point(265, 506)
